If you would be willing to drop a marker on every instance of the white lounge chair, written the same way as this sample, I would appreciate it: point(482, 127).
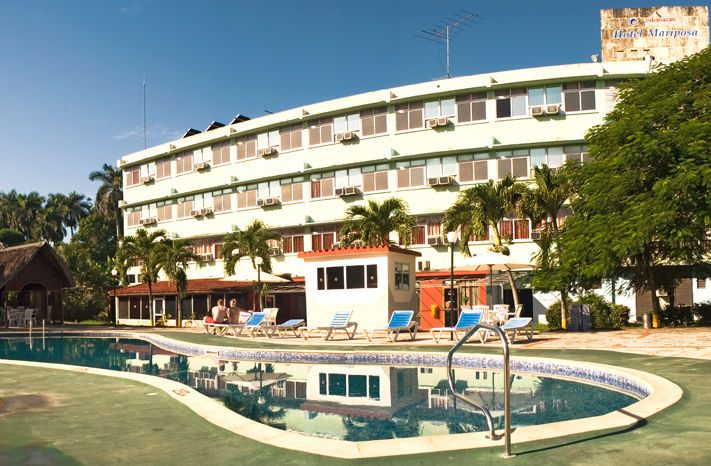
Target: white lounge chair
point(518, 324)
point(341, 321)
point(400, 320)
point(467, 321)
point(291, 324)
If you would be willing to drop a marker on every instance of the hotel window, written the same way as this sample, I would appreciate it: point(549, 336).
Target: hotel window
point(268, 139)
point(334, 278)
point(290, 137)
point(346, 123)
point(473, 167)
point(322, 187)
point(375, 178)
point(133, 176)
point(471, 107)
point(185, 205)
point(515, 229)
point(439, 108)
point(355, 276)
point(321, 131)
point(221, 153)
point(222, 200)
point(164, 210)
point(511, 102)
point(577, 153)
point(548, 95)
point(402, 276)
point(292, 243)
point(218, 251)
point(292, 190)
point(322, 240)
point(133, 217)
point(553, 157)
point(700, 283)
point(513, 163)
point(246, 147)
point(419, 235)
point(247, 198)
point(184, 162)
point(579, 96)
point(163, 167)
point(411, 174)
point(374, 121)
point(409, 116)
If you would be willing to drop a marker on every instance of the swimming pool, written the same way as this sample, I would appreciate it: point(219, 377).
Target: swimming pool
point(355, 397)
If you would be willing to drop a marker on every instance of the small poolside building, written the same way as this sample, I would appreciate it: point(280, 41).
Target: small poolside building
point(372, 281)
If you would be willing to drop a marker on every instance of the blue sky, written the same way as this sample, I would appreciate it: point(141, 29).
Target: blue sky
point(72, 71)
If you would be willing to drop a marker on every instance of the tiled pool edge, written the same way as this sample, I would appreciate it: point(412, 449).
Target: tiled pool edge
point(661, 394)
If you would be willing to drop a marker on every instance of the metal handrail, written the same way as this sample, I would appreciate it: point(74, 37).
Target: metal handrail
point(507, 387)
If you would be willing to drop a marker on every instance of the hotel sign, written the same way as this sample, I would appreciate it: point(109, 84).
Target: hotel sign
point(665, 33)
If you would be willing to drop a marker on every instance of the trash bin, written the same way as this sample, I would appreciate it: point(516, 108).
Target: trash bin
point(646, 320)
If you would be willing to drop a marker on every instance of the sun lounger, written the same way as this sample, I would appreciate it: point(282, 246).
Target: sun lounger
point(400, 320)
point(467, 321)
point(518, 324)
point(253, 326)
point(291, 324)
point(341, 321)
point(212, 328)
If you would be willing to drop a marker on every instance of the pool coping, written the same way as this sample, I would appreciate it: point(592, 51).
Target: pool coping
point(662, 393)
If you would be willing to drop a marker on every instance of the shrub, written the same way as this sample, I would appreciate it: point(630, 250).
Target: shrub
point(603, 314)
point(553, 316)
point(702, 312)
point(685, 316)
point(619, 316)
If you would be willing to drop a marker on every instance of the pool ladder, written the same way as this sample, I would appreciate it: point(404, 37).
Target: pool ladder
point(507, 386)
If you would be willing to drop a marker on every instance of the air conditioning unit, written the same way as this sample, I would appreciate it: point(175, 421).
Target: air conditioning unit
point(345, 137)
point(445, 180)
point(553, 109)
point(196, 213)
point(336, 245)
point(148, 179)
point(347, 191)
point(423, 266)
point(206, 211)
point(267, 201)
point(339, 191)
point(538, 110)
point(207, 257)
point(201, 166)
point(434, 181)
point(535, 235)
point(267, 151)
point(275, 252)
point(434, 240)
point(148, 221)
point(437, 122)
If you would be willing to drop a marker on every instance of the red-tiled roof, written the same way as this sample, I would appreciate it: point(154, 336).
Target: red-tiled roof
point(353, 250)
point(197, 285)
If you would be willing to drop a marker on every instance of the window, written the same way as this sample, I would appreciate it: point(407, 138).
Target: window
point(133, 217)
point(411, 174)
point(355, 276)
point(544, 95)
point(343, 124)
point(320, 280)
point(133, 176)
point(473, 168)
point(222, 200)
point(292, 243)
point(511, 102)
point(164, 211)
point(358, 386)
point(515, 229)
point(471, 107)
point(221, 153)
point(290, 137)
point(184, 162)
point(419, 235)
point(334, 278)
point(322, 241)
point(439, 108)
point(700, 283)
point(374, 121)
point(409, 116)
point(268, 139)
point(322, 187)
point(321, 131)
point(292, 191)
point(185, 205)
point(374, 387)
point(163, 167)
point(337, 384)
point(375, 178)
point(513, 163)
point(372, 276)
point(578, 153)
point(246, 147)
point(402, 276)
point(247, 198)
point(579, 96)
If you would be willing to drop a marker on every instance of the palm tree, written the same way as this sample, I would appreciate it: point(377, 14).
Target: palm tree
point(8, 206)
point(28, 207)
point(174, 259)
point(479, 210)
point(372, 223)
point(541, 203)
point(109, 194)
point(77, 206)
point(47, 224)
point(146, 249)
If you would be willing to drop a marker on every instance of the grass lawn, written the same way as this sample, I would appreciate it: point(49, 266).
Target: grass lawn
point(91, 419)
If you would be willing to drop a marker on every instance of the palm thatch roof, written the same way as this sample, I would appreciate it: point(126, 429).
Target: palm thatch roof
point(15, 267)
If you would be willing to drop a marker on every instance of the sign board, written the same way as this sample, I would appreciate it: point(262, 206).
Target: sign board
point(665, 33)
point(580, 318)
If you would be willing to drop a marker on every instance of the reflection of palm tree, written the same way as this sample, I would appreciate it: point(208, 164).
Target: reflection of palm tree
point(373, 428)
point(249, 405)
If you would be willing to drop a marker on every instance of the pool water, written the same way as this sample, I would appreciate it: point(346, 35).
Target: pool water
point(353, 402)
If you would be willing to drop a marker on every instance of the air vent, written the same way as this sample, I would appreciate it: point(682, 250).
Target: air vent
point(275, 252)
point(434, 240)
point(267, 151)
point(537, 111)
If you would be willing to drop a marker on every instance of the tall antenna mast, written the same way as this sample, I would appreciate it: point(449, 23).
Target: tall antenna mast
point(144, 112)
point(445, 33)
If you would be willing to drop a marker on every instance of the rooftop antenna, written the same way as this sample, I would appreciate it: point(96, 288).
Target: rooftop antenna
point(144, 112)
point(445, 33)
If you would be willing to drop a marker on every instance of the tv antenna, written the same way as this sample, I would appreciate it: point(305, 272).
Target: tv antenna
point(445, 32)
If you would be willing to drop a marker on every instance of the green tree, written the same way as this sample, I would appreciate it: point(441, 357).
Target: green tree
point(174, 259)
point(87, 300)
point(644, 200)
point(10, 237)
point(96, 233)
point(76, 207)
point(146, 249)
point(372, 223)
point(109, 194)
point(478, 211)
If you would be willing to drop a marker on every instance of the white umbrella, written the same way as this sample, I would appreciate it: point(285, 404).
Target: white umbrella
point(250, 275)
point(494, 261)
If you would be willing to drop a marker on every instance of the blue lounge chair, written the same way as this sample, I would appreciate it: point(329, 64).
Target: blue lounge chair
point(400, 320)
point(291, 324)
point(518, 324)
point(341, 321)
point(467, 321)
point(253, 325)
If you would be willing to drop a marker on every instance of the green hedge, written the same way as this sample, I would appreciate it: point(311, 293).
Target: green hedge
point(685, 316)
point(603, 314)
